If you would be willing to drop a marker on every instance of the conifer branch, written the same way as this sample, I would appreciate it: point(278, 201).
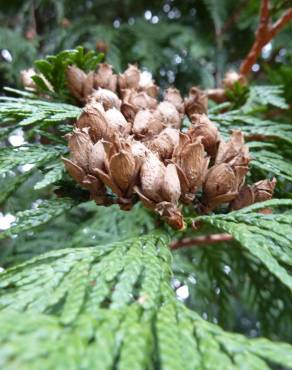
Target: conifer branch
point(201, 240)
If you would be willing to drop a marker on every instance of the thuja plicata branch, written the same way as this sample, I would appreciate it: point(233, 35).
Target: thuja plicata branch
point(128, 145)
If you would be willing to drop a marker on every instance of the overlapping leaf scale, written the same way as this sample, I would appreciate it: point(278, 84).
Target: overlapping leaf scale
point(261, 96)
point(111, 275)
point(54, 174)
point(149, 330)
point(253, 126)
point(34, 111)
point(32, 218)
point(267, 157)
point(29, 154)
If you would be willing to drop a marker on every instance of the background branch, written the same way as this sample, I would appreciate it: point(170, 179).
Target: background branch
point(201, 240)
point(264, 34)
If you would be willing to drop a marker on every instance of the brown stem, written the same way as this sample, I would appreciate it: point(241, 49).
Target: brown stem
point(201, 240)
point(281, 22)
point(264, 34)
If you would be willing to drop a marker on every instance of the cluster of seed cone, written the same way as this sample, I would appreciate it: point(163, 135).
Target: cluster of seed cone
point(128, 141)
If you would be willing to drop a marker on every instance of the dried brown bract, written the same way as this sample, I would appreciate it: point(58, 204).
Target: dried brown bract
point(173, 96)
point(249, 194)
point(130, 78)
point(202, 126)
point(26, 79)
point(147, 84)
point(220, 186)
point(101, 124)
point(134, 101)
point(146, 124)
point(93, 117)
point(134, 79)
point(164, 143)
point(227, 176)
point(82, 156)
point(196, 102)
point(160, 190)
point(79, 83)
point(167, 113)
point(105, 78)
point(122, 165)
point(107, 98)
point(192, 163)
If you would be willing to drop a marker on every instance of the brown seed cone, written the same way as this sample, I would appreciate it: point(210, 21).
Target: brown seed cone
point(160, 190)
point(173, 96)
point(167, 113)
point(236, 154)
point(147, 85)
point(202, 126)
point(75, 80)
point(220, 186)
point(122, 163)
point(264, 189)
point(122, 168)
point(116, 123)
point(130, 78)
point(134, 101)
point(93, 117)
point(151, 177)
point(26, 79)
point(192, 163)
point(135, 145)
point(89, 182)
point(229, 150)
point(146, 124)
point(164, 143)
point(196, 102)
point(171, 214)
point(233, 77)
point(80, 145)
point(249, 194)
point(105, 78)
point(170, 187)
point(88, 85)
point(107, 98)
point(96, 157)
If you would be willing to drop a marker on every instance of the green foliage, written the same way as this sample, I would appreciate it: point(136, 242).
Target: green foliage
point(53, 70)
point(29, 219)
point(35, 111)
point(28, 154)
point(54, 173)
point(22, 53)
point(266, 236)
point(271, 159)
point(263, 96)
point(119, 296)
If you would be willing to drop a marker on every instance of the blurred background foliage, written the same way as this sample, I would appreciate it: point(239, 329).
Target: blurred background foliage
point(185, 43)
point(180, 42)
